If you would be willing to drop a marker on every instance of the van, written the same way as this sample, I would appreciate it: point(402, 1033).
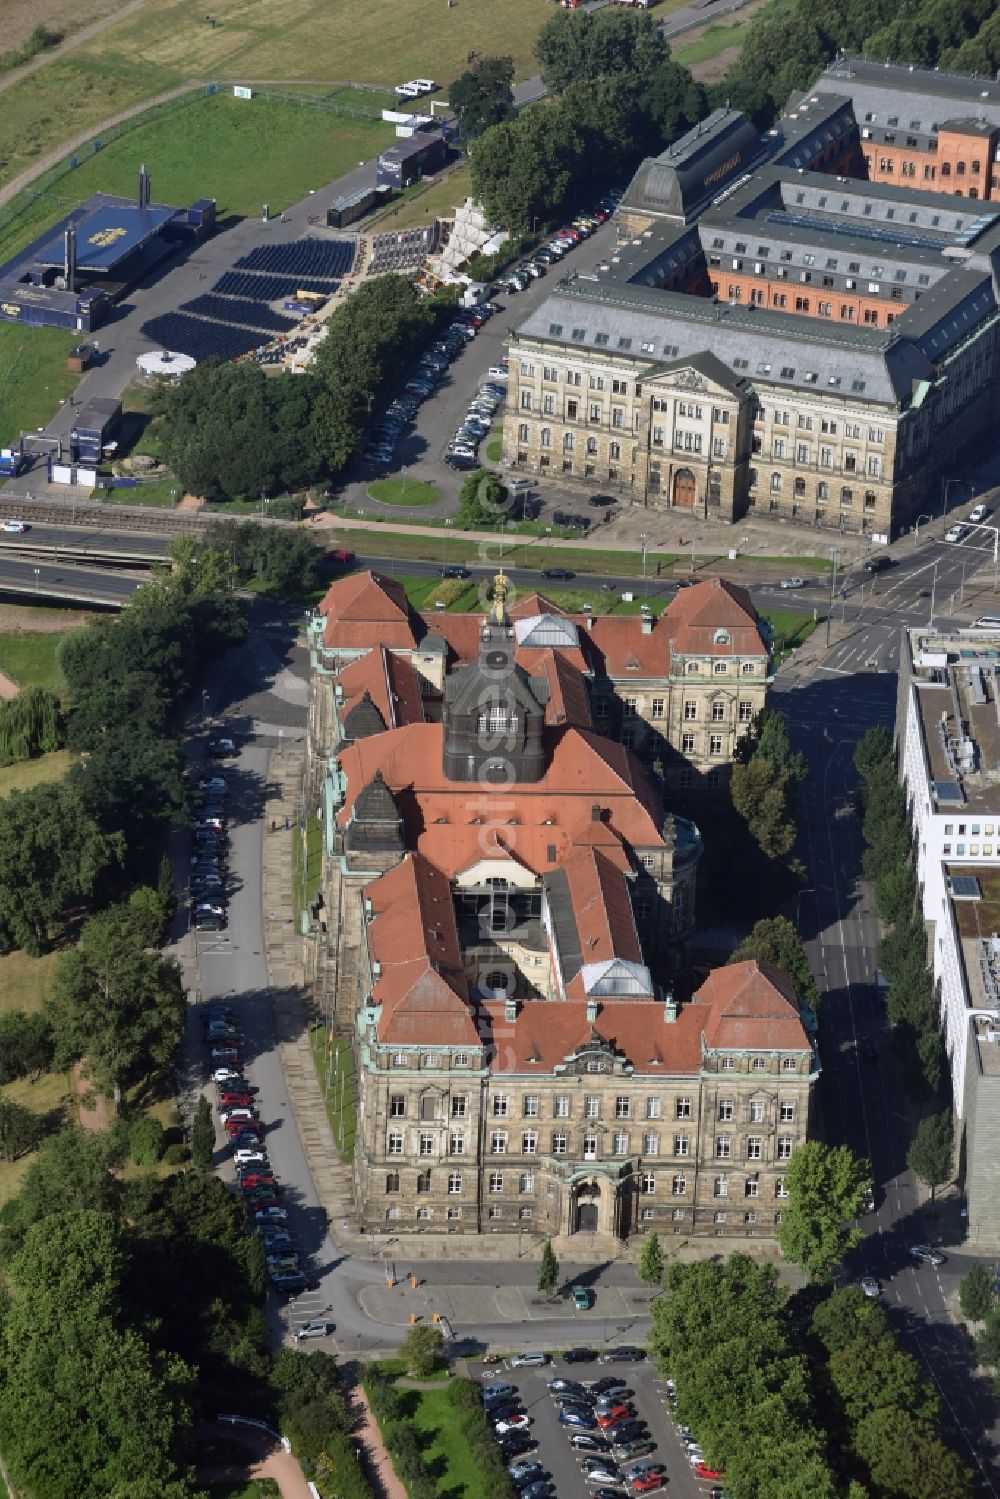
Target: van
point(977, 514)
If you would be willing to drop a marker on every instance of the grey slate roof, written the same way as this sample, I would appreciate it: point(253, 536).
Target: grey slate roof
point(754, 344)
point(683, 178)
point(921, 100)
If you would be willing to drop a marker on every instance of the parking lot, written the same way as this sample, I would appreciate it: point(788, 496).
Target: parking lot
point(420, 448)
point(565, 1467)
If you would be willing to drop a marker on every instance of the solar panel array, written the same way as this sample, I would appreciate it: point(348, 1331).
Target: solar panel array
point(199, 338)
point(305, 257)
point(269, 288)
point(237, 310)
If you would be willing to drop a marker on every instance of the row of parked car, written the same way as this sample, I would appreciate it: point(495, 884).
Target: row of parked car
point(559, 245)
point(385, 435)
point(239, 1116)
point(463, 450)
point(210, 835)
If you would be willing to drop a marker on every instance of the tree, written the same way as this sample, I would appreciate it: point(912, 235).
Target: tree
point(673, 102)
point(826, 1189)
point(116, 1004)
point(651, 1261)
point(930, 1154)
point(976, 1295)
point(203, 1136)
point(988, 1340)
point(867, 1376)
point(775, 940)
point(481, 501)
point(873, 750)
point(548, 1269)
point(26, 1045)
point(581, 47)
point(20, 1129)
point(763, 795)
point(421, 1350)
point(905, 1458)
point(526, 168)
point(847, 1316)
point(482, 96)
point(52, 850)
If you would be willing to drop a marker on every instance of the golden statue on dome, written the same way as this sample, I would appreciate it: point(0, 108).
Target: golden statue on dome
point(500, 591)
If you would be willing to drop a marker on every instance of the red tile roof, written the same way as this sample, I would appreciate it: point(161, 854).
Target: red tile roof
point(365, 609)
point(413, 936)
point(529, 604)
point(696, 613)
point(389, 680)
point(626, 651)
point(455, 824)
point(747, 1006)
point(568, 701)
point(602, 913)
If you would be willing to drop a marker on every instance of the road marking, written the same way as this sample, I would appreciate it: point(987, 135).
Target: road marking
point(837, 671)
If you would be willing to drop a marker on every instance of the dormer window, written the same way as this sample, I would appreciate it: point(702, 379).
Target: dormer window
point(497, 721)
point(721, 637)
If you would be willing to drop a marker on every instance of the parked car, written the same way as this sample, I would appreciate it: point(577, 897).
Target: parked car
point(648, 1483)
point(530, 1360)
point(317, 1328)
point(583, 1298)
point(623, 1355)
point(606, 1384)
point(516, 1421)
point(525, 1469)
point(247, 1156)
point(222, 748)
point(567, 1387)
point(626, 1451)
point(579, 1356)
point(579, 1419)
point(589, 1441)
point(702, 1470)
point(499, 1392)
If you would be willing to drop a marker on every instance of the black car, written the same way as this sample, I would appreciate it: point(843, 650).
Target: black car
point(606, 1385)
point(580, 1355)
point(455, 571)
point(562, 574)
point(623, 1355)
point(221, 749)
point(208, 923)
point(516, 1444)
point(602, 501)
point(629, 1431)
point(878, 563)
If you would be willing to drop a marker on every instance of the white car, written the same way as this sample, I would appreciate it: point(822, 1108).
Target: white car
point(531, 1360)
point(870, 1287)
point(498, 372)
point(955, 534)
point(223, 1074)
point(977, 514)
point(315, 1329)
point(226, 1114)
point(15, 527)
point(246, 1157)
point(515, 1422)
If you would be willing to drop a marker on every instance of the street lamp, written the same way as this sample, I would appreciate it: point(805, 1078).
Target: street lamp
point(643, 542)
point(37, 571)
point(204, 704)
point(916, 528)
point(834, 553)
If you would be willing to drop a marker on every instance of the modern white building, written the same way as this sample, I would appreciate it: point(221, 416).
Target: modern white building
point(948, 727)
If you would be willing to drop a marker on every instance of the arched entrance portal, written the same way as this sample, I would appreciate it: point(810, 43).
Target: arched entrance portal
point(685, 489)
point(587, 1209)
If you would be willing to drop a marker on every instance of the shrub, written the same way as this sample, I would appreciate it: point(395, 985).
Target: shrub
point(176, 1155)
point(145, 1140)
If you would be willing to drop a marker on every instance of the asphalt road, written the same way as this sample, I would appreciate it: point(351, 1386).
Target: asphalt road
point(863, 1100)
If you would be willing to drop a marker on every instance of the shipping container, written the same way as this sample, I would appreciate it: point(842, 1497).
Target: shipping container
point(410, 159)
point(347, 210)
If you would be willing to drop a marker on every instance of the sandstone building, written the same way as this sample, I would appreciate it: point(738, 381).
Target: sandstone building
point(507, 902)
point(799, 325)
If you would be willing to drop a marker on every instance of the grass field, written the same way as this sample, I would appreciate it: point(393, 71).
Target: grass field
point(788, 631)
point(435, 199)
point(515, 553)
point(25, 983)
point(240, 153)
point(33, 377)
point(410, 493)
point(30, 660)
point(335, 1070)
point(28, 773)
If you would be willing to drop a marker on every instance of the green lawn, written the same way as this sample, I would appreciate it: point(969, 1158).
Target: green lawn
point(407, 492)
point(447, 1452)
point(307, 863)
point(27, 773)
point(335, 1070)
point(494, 445)
point(25, 983)
point(515, 553)
point(161, 493)
point(33, 377)
point(435, 198)
point(30, 660)
point(788, 631)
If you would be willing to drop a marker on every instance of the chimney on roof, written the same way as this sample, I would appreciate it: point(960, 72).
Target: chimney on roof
point(670, 1008)
point(593, 1010)
point(510, 1010)
point(595, 812)
point(589, 621)
point(647, 624)
point(376, 969)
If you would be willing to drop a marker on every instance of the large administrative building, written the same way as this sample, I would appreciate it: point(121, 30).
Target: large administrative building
point(802, 324)
point(507, 904)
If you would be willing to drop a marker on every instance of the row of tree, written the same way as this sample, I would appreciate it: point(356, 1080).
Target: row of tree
point(786, 48)
point(798, 1397)
point(231, 432)
point(615, 96)
point(134, 1307)
point(888, 865)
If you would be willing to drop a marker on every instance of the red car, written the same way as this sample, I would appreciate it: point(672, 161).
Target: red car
point(235, 1101)
point(616, 1413)
point(258, 1179)
point(702, 1470)
point(647, 1483)
point(244, 1127)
